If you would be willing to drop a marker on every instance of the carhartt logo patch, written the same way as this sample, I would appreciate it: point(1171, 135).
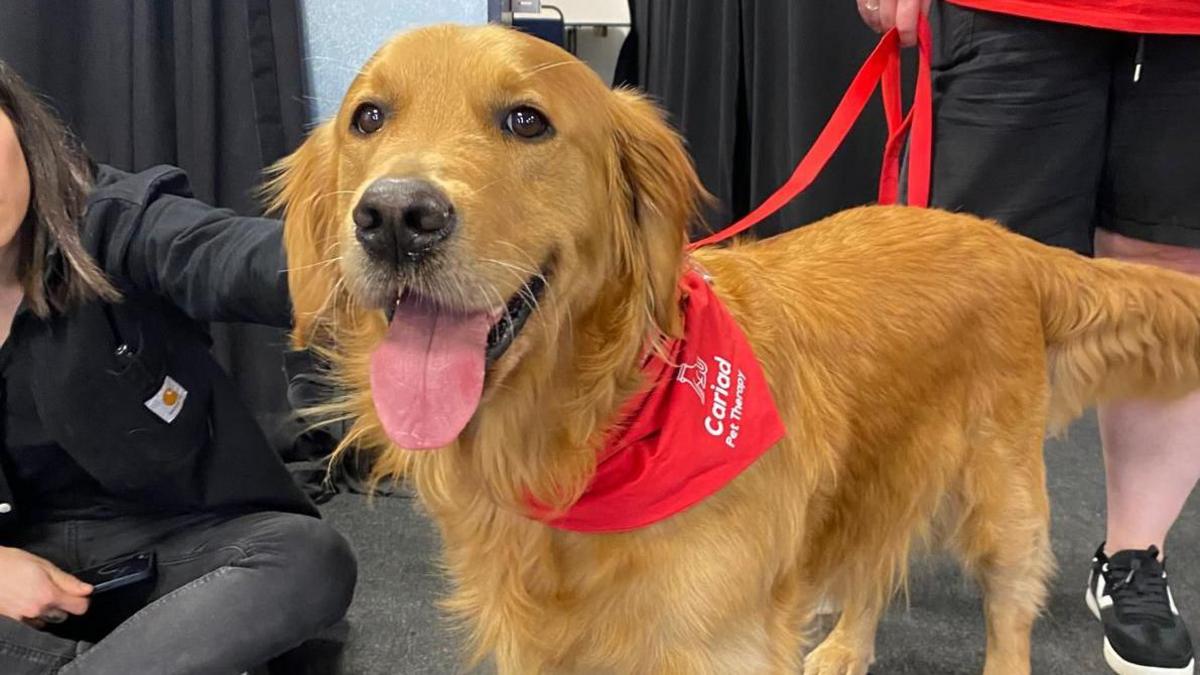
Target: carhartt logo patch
point(168, 400)
point(695, 375)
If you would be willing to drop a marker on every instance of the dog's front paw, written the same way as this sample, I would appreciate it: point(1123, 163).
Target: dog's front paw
point(833, 658)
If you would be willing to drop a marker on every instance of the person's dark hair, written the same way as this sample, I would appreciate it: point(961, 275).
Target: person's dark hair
point(60, 178)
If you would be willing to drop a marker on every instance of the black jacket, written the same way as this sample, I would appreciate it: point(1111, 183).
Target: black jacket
point(178, 263)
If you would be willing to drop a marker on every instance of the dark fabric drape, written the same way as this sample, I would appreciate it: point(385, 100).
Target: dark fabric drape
point(212, 86)
point(750, 84)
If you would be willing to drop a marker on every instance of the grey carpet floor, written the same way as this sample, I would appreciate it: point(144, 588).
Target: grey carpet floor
point(395, 626)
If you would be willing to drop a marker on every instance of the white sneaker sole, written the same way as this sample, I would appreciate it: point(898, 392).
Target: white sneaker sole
point(1122, 667)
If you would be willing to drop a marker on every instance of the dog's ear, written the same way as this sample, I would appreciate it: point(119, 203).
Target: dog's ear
point(304, 190)
point(654, 175)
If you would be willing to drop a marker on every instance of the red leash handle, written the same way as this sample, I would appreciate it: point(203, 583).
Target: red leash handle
point(918, 122)
point(882, 66)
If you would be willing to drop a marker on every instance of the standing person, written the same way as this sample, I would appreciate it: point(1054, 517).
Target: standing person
point(1077, 123)
point(121, 433)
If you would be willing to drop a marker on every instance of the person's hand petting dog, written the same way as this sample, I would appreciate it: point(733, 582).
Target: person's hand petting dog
point(36, 592)
point(884, 15)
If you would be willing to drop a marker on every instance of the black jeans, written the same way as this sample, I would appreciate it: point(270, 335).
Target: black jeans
point(1042, 127)
point(231, 592)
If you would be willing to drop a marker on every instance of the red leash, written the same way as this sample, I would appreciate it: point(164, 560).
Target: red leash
point(883, 66)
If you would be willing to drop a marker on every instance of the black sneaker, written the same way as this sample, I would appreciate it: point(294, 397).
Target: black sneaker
point(1143, 632)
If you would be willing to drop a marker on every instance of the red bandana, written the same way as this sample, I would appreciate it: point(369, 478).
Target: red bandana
point(706, 418)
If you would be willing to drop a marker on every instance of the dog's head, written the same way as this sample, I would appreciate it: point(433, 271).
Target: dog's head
point(478, 192)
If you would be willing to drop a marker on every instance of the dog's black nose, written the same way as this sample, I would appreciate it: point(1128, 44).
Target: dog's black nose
point(402, 219)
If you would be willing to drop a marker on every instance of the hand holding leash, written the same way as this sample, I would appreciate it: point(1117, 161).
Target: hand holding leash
point(903, 15)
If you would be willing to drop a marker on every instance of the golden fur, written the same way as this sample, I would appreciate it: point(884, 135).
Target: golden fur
point(917, 358)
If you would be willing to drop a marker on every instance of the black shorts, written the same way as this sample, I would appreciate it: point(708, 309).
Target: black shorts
point(1042, 127)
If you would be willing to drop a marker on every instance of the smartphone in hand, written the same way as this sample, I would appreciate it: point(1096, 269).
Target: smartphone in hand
point(119, 573)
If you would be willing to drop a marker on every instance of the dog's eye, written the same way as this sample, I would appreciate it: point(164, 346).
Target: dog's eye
point(526, 122)
point(368, 118)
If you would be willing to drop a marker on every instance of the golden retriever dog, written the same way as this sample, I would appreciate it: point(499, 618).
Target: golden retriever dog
point(487, 240)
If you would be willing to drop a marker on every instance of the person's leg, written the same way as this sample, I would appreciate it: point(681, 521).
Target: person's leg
point(1151, 448)
point(231, 593)
point(1152, 466)
point(1020, 118)
point(25, 650)
point(1150, 213)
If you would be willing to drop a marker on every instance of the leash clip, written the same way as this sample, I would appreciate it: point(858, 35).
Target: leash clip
point(696, 267)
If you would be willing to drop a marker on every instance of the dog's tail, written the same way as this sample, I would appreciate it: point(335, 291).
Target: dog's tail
point(1115, 330)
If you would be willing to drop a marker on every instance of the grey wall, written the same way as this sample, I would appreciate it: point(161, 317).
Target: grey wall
point(340, 35)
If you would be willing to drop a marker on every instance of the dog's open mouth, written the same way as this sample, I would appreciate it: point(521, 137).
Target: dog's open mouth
point(516, 313)
point(427, 375)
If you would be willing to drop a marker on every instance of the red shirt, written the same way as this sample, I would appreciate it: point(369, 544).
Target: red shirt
point(1178, 17)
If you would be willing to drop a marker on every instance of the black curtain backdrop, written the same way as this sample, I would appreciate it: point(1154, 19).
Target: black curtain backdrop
point(750, 84)
point(212, 86)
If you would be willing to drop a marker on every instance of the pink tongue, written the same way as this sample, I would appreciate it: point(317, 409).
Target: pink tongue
point(427, 374)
